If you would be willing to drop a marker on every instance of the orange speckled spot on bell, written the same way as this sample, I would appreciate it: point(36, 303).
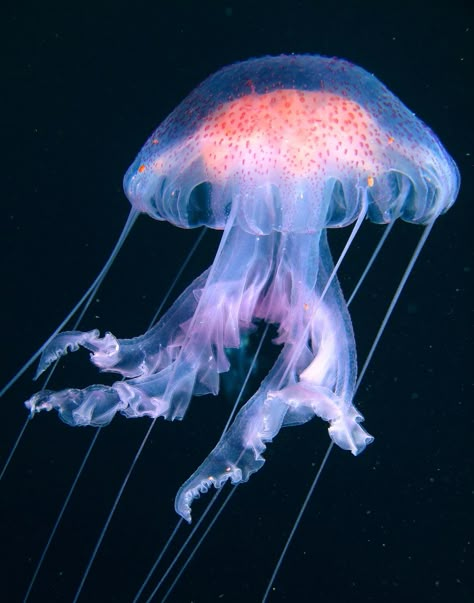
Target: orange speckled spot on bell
point(370, 181)
point(141, 168)
point(290, 132)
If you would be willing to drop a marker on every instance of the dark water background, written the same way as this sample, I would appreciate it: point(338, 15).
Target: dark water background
point(84, 86)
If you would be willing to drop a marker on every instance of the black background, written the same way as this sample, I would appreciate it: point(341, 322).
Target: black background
point(84, 86)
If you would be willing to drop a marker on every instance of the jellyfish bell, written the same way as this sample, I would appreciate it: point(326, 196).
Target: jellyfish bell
point(279, 134)
point(272, 151)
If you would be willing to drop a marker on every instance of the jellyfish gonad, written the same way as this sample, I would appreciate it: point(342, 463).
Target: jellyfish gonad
point(273, 152)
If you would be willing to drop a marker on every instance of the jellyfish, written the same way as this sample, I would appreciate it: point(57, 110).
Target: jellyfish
point(273, 152)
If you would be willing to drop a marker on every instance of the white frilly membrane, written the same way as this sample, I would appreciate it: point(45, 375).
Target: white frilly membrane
point(277, 278)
